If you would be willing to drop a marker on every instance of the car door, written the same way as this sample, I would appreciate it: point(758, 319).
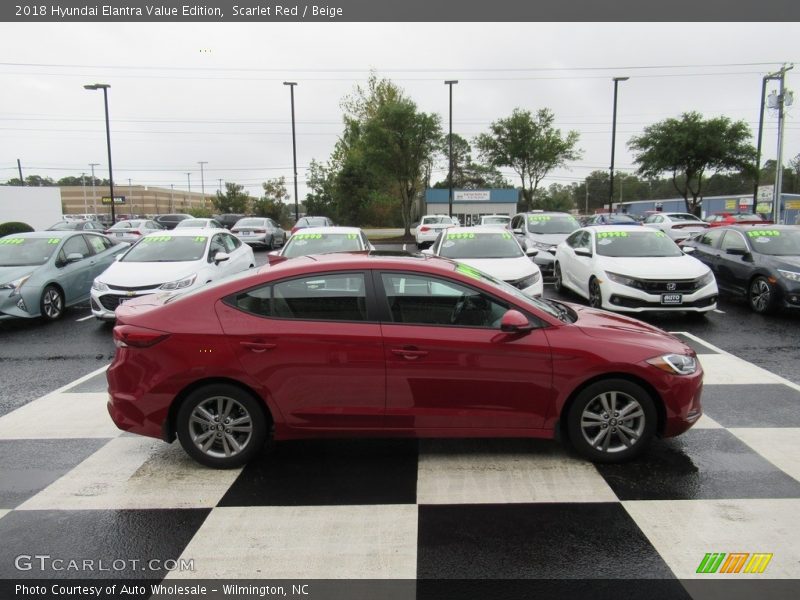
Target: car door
point(239, 257)
point(75, 278)
point(707, 249)
point(734, 268)
point(576, 269)
point(447, 371)
point(103, 255)
point(311, 344)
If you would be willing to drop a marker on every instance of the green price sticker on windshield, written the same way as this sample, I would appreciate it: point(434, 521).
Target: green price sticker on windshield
point(460, 236)
point(200, 238)
point(506, 236)
point(612, 234)
point(352, 236)
point(159, 238)
point(308, 236)
point(12, 241)
point(661, 234)
point(468, 271)
point(764, 233)
point(538, 217)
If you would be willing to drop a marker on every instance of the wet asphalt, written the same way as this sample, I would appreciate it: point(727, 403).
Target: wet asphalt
point(37, 357)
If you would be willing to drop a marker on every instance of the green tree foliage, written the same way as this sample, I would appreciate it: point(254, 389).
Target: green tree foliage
point(467, 174)
point(529, 145)
point(396, 143)
point(12, 227)
point(273, 203)
point(233, 200)
point(320, 181)
point(556, 197)
point(691, 146)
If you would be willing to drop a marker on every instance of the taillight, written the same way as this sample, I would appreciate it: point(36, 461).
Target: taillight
point(234, 231)
point(294, 229)
point(136, 232)
point(259, 231)
point(137, 337)
point(424, 228)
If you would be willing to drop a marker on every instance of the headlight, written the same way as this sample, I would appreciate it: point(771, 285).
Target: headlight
point(15, 285)
point(526, 282)
point(99, 286)
point(791, 275)
point(705, 280)
point(623, 280)
point(542, 246)
point(675, 363)
point(180, 284)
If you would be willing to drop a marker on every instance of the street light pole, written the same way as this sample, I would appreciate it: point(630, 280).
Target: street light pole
point(94, 189)
point(83, 183)
point(189, 181)
point(776, 205)
point(613, 142)
point(104, 87)
point(291, 85)
point(450, 84)
point(202, 181)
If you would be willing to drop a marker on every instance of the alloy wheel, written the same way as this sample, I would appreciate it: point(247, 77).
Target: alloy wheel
point(612, 421)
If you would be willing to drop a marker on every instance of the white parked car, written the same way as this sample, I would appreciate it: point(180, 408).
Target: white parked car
point(493, 251)
point(494, 221)
point(678, 226)
point(199, 224)
point(176, 260)
point(429, 228)
point(323, 240)
point(259, 231)
point(634, 270)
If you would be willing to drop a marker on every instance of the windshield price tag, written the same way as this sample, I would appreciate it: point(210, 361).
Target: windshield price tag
point(308, 236)
point(460, 236)
point(538, 218)
point(612, 234)
point(14, 241)
point(764, 233)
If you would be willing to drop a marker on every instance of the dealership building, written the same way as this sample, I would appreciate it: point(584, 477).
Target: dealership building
point(470, 205)
point(131, 200)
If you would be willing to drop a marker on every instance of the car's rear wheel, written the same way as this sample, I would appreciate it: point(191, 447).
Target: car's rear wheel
point(221, 426)
point(612, 420)
point(51, 305)
point(595, 295)
point(762, 295)
point(558, 284)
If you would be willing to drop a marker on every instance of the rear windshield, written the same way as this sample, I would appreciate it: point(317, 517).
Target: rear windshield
point(193, 223)
point(168, 248)
point(250, 223)
point(552, 223)
point(683, 217)
point(21, 252)
point(437, 219)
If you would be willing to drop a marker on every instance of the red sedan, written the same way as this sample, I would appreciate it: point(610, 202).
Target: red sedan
point(724, 219)
point(376, 345)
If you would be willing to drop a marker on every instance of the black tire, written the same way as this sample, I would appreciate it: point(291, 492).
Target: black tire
point(762, 296)
point(51, 305)
point(558, 284)
point(271, 244)
point(605, 403)
point(595, 295)
point(196, 422)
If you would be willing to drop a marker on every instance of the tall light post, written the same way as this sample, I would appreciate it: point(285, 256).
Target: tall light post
point(189, 181)
point(450, 84)
point(104, 87)
point(94, 189)
point(83, 183)
point(613, 142)
point(202, 180)
point(291, 85)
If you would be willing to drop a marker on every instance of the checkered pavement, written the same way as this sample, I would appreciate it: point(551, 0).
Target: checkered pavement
point(74, 486)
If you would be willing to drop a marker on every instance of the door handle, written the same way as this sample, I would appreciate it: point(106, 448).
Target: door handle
point(409, 354)
point(257, 347)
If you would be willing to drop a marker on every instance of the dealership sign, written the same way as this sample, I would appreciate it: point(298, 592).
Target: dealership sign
point(117, 200)
point(472, 196)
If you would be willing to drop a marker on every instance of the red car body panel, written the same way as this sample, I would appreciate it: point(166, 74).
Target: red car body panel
point(322, 378)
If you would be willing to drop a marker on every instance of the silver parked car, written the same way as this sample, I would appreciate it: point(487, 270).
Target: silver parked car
point(44, 272)
point(678, 226)
point(543, 231)
point(259, 231)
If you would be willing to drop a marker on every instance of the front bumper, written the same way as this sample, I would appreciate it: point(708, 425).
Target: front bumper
point(545, 259)
point(622, 298)
point(104, 304)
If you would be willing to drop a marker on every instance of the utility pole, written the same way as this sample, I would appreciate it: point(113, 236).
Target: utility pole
point(291, 85)
point(202, 181)
point(450, 84)
point(782, 100)
point(171, 197)
point(220, 185)
point(587, 197)
point(19, 166)
point(613, 143)
point(94, 189)
point(130, 193)
point(83, 183)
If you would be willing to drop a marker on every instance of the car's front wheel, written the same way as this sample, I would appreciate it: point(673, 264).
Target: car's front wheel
point(558, 283)
point(612, 420)
point(51, 305)
point(762, 295)
point(221, 426)
point(595, 295)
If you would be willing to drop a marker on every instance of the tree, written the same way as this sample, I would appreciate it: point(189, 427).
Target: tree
point(234, 200)
point(396, 144)
point(273, 203)
point(530, 146)
point(467, 175)
point(320, 183)
point(556, 197)
point(689, 147)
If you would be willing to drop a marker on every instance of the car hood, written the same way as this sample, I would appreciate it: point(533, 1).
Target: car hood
point(553, 239)
point(648, 267)
point(605, 325)
point(8, 274)
point(507, 269)
point(139, 274)
point(780, 262)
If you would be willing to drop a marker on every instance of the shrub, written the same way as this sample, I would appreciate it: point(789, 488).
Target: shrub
point(13, 227)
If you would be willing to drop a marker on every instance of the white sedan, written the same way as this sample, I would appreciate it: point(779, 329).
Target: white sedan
point(493, 251)
point(180, 259)
point(678, 226)
point(634, 270)
point(429, 227)
point(323, 240)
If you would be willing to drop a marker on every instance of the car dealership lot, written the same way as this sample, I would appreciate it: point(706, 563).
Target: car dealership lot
point(72, 485)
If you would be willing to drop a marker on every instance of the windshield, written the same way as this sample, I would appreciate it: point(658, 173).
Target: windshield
point(631, 244)
point(775, 242)
point(193, 223)
point(527, 301)
point(167, 248)
point(21, 252)
point(303, 244)
point(495, 220)
point(552, 224)
point(480, 245)
point(126, 225)
point(312, 221)
point(437, 219)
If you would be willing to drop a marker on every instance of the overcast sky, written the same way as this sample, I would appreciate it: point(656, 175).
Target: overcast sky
point(182, 93)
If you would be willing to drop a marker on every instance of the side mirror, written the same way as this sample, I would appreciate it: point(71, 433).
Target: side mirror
point(273, 253)
point(428, 251)
point(688, 249)
point(583, 252)
point(221, 257)
point(736, 251)
point(531, 252)
point(74, 257)
point(517, 231)
point(514, 321)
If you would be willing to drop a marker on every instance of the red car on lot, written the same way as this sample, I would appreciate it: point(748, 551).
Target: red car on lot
point(365, 344)
point(724, 219)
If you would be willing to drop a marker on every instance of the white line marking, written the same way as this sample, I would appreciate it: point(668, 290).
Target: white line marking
point(716, 310)
point(85, 318)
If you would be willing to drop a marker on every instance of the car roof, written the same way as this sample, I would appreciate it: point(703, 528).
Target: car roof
point(336, 229)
